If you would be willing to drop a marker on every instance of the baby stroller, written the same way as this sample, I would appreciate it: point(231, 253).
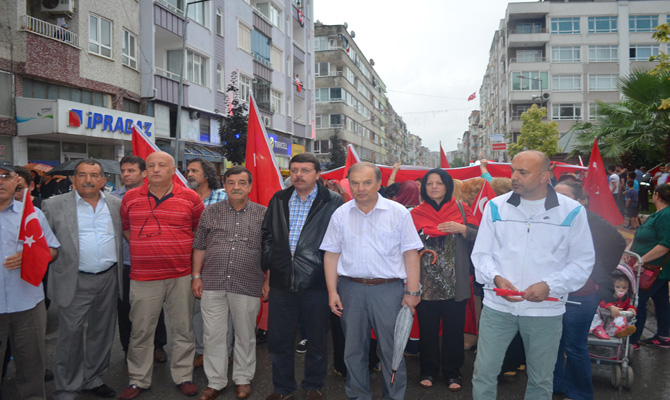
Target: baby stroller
point(617, 351)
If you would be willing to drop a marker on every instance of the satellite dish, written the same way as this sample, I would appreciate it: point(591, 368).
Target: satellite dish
point(318, 22)
point(372, 62)
point(346, 25)
point(353, 34)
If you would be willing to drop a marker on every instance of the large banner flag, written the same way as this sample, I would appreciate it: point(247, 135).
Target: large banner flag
point(486, 193)
point(443, 158)
point(36, 255)
point(597, 187)
point(143, 146)
point(352, 158)
point(260, 159)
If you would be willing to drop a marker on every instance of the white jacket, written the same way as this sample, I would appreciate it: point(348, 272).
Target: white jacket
point(554, 246)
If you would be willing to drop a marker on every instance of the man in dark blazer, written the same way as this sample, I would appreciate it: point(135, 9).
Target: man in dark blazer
point(85, 281)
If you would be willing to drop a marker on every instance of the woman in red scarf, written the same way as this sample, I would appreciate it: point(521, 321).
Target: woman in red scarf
point(446, 227)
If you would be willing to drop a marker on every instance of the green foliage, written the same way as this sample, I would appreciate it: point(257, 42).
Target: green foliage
point(457, 162)
point(338, 153)
point(536, 134)
point(637, 124)
point(233, 131)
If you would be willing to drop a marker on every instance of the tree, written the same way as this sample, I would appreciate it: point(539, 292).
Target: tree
point(338, 153)
point(535, 134)
point(233, 131)
point(457, 162)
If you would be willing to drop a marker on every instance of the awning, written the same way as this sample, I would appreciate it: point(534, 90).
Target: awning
point(209, 153)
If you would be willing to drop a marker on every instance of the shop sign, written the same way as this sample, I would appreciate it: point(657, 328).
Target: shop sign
point(297, 149)
point(498, 146)
point(280, 145)
point(105, 121)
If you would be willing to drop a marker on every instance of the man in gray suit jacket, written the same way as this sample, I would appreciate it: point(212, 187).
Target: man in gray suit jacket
point(85, 281)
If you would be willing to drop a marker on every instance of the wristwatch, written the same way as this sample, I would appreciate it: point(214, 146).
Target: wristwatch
point(195, 277)
point(417, 293)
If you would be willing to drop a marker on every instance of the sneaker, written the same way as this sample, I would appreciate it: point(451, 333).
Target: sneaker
point(301, 348)
point(600, 333)
point(261, 336)
point(658, 342)
point(636, 346)
point(625, 331)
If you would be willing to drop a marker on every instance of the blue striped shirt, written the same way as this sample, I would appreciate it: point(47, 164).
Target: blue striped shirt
point(217, 195)
point(297, 215)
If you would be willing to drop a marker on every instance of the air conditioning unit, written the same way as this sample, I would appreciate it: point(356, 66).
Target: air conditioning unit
point(194, 114)
point(58, 6)
point(266, 121)
point(545, 96)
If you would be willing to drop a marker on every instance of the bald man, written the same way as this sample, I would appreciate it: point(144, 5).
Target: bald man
point(159, 219)
point(538, 242)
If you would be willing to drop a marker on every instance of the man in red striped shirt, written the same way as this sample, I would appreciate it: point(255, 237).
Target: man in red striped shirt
point(159, 219)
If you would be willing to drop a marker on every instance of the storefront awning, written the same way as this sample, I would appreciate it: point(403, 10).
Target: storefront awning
point(209, 153)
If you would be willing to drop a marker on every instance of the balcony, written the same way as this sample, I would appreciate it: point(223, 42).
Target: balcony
point(47, 30)
point(299, 129)
point(299, 94)
point(169, 17)
point(262, 23)
point(298, 53)
point(525, 38)
point(528, 60)
point(172, 7)
point(167, 88)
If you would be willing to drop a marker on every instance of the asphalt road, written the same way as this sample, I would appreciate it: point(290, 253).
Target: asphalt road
point(651, 366)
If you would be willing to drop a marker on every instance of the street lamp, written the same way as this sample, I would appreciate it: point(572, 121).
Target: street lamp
point(180, 91)
point(535, 79)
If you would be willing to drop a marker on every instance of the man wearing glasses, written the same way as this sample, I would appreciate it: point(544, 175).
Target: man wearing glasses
point(159, 219)
point(293, 227)
point(23, 315)
point(85, 281)
point(227, 276)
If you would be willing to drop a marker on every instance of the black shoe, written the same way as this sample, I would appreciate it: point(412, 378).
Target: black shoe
point(261, 336)
point(102, 391)
point(48, 375)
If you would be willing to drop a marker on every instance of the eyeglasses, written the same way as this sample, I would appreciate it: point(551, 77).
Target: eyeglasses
point(304, 171)
point(4, 177)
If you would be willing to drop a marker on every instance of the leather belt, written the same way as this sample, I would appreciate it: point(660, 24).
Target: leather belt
point(372, 281)
point(98, 273)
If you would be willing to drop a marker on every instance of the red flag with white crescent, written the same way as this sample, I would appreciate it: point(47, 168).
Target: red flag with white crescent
point(486, 193)
point(36, 255)
point(444, 163)
point(597, 187)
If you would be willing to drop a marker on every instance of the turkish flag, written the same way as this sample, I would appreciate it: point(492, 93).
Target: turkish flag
point(472, 96)
point(443, 158)
point(142, 147)
point(260, 160)
point(352, 158)
point(36, 255)
point(597, 187)
point(486, 193)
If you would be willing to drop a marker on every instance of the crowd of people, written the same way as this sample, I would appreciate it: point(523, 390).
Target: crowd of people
point(208, 257)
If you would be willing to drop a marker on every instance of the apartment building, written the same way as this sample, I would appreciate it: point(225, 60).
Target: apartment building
point(69, 80)
point(260, 46)
point(563, 55)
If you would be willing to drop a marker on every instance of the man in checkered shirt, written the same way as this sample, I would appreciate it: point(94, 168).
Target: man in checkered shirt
point(227, 276)
point(293, 228)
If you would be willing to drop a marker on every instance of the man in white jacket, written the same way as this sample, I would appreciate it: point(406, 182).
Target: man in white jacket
point(538, 242)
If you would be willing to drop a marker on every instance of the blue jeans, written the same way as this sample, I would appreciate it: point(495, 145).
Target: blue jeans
point(285, 310)
point(658, 292)
point(572, 374)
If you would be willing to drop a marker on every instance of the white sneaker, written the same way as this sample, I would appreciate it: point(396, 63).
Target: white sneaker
point(301, 348)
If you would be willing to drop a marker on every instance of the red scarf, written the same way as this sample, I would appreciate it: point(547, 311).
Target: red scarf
point(427, 218)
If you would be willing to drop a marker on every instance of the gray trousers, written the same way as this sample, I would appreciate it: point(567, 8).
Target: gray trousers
point(26, 331)
point(366, 307)
point(82, 358)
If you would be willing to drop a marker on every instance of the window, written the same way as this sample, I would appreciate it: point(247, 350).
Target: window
point(260, 47)
point(321, 146)
point(175, 5)
point(603, 53)
point(566, 54)
point(642, 23)
point(336, 94)
point(220, 82)
point(322, 69)
point(43, 90)
point(642, 52)
point(244, 85)
point(518, 109)
point(6, 93)
point(219, 22)
point(524, 56)
point(321, 95)
point(129, 53)
point(351, 77)
point(530, 80)
point(320, 43)
point(566, 111)
point(196, 68)
point(277, 99)
point(336, 121)
point(275, 16)
point(529, 27)
point(593, 111)
point(276, 57)
point(100, 36)
point(244, 37)
point(318, 121)
point(198, 12)
point(566, 83)
point(204, 128)
point(602, 82)
point(602, 24)
point(564, 25)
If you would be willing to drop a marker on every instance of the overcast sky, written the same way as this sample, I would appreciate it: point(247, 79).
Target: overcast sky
point(438, 49)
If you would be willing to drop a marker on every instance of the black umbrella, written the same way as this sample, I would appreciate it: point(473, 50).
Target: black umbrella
point(67, 168)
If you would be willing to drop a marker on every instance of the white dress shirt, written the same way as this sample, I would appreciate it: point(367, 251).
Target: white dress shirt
point(371, 245)
point(97, 240)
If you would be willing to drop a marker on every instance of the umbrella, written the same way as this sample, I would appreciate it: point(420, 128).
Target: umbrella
point(403, 325)
point(39, 167)
point(67, 168)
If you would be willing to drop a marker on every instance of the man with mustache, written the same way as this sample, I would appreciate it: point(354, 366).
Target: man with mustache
point(85, 281)
point(227, 276)
point(203, 178)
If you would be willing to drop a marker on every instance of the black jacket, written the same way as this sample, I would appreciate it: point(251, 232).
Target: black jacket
point(304, 269)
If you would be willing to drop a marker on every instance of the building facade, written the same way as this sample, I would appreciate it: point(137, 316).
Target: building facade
point(563, 55)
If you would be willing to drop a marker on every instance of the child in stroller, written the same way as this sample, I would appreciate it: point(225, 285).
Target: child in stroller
point(616, 318)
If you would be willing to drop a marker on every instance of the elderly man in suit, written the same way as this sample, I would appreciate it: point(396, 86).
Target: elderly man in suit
point(85, 281)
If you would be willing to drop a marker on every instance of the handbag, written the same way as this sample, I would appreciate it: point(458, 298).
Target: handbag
point(649, 272)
